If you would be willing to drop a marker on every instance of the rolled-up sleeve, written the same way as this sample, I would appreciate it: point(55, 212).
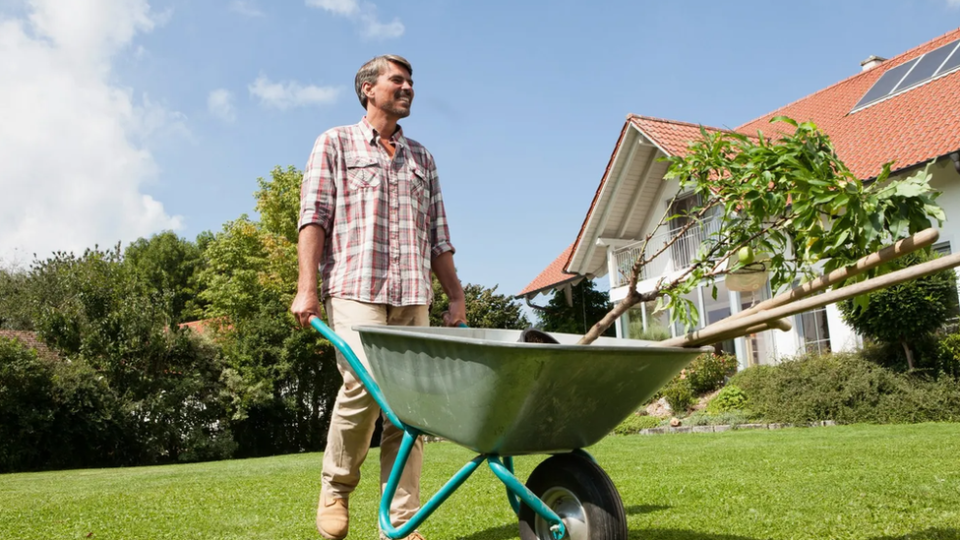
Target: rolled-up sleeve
point(318, 189)
point(439, 229)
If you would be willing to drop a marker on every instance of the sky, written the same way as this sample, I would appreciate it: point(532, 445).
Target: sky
point(123, 118)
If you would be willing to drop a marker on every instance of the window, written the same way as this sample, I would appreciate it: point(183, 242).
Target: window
point(943, 249)
point(684, 251)
point(814, 331)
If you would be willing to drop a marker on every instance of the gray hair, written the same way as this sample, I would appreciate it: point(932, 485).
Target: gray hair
point(370, 71)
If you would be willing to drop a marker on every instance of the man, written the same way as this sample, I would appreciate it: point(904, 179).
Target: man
point(372, 220)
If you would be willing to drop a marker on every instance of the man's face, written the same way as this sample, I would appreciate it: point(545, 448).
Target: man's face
point(393, 91)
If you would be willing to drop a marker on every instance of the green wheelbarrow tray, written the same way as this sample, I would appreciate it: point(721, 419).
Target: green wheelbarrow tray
point(484, 390)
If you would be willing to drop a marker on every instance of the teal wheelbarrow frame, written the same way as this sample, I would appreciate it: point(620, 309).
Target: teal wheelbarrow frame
point(483, 390)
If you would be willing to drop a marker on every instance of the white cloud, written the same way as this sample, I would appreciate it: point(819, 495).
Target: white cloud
point(340, 7)
point(73, 143)
point(220, 104)
point(284, 95)
point(247, 8)
point(953, 3)
point(365, 15)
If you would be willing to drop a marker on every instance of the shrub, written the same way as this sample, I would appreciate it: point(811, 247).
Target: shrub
point(948, 350)
point(679, 395)
point(26, 407)
point(848, 389)
point(705, 418)
point(730, 398)
point(636, 422)
point(708, 372)
point(57, 415)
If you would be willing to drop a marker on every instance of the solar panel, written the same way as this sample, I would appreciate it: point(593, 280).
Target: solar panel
point(952, 63)
point(885, 84)
point(927, 67)
point(919, 70)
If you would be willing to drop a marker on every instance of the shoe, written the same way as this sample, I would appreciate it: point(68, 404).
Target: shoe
point(333, 518)
point(415, 535)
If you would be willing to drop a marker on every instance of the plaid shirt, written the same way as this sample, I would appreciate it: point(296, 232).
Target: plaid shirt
point(384, 218)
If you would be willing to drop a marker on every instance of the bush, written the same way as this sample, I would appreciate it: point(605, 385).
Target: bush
point(730, 398)
point(948, 357)
point(26, 407)
point(635, 423)
point(848, 389)
point(679, 395)
point(729, 418)
point(57, 415)
point(709, 371)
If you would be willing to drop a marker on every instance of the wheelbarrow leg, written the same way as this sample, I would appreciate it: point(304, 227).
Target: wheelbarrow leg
point(556, 526)
point(514, 501)
point(406, 445)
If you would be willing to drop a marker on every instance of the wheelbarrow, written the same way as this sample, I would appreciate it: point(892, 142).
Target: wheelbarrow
point(501, 396)
point(486, 390)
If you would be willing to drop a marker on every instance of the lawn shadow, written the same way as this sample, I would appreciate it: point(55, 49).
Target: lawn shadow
point(927, 534)
point(502, 532)
point(678, 534)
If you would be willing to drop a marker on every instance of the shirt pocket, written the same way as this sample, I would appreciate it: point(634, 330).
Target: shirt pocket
point(420, 195)
point(362, 173)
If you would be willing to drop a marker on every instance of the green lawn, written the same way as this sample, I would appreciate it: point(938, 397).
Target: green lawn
point(869, 482)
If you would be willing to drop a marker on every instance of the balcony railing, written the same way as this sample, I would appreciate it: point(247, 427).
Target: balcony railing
point(680, 255)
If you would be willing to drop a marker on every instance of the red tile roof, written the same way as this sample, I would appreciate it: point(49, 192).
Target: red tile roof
point(671, 136)
point(910, 128)
point(32, 341)
point(552, 276)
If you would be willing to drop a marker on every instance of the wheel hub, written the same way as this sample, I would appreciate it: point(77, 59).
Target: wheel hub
point(568, 507)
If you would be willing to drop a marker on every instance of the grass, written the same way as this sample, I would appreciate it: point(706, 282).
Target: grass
point(857, 482)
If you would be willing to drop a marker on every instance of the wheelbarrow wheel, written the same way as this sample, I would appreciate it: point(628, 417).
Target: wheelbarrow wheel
point(582, 495)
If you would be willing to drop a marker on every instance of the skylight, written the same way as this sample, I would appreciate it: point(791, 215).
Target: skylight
point(913, 73)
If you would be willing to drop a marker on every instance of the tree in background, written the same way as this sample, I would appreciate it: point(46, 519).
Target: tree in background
point(589, 306)
point(485, 308)
point(95, 314)
point(906, 313)
point(167, 266)
point(14, 305)
point(281, 380)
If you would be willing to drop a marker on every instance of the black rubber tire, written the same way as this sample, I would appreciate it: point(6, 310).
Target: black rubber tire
point(585, 480)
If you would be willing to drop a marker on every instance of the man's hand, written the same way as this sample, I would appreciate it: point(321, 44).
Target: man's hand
point(456, 313)
point(305, 305)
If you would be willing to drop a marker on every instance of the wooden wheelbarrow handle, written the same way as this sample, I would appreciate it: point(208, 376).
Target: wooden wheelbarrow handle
point(760, 320)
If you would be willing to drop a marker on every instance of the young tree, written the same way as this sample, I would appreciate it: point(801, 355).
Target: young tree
point(790, 201)
point(904, 314)
point(281, 380)
point(589, 306)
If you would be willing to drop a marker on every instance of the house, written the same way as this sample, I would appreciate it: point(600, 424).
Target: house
point(905, 109)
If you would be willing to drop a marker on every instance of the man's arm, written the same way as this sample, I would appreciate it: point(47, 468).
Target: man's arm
point(309, 250)
point(317, 200)
point(446, 273)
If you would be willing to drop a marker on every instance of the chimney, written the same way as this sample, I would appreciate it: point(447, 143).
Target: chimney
point(872, 62)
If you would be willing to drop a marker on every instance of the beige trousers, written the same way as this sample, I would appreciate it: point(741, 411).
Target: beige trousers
point(355, 413)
